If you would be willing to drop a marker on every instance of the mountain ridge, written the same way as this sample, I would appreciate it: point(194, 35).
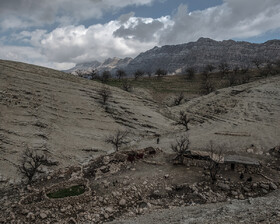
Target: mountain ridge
point(176, 58)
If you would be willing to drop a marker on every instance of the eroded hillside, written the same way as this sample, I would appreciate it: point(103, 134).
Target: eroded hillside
point(62, 115)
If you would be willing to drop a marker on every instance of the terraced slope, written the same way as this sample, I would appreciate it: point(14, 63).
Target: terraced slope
point(240, 117)
point(61, 114)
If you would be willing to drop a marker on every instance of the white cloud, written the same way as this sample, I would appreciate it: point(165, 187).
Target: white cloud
point(232, 19)
point(29, 13)
point(129, 35)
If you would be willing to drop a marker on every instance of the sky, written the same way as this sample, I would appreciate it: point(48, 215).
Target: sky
point(60, 33)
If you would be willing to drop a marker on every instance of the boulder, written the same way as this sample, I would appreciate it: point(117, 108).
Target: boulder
point(122, 202)
point(224, 187)
point(43, 215)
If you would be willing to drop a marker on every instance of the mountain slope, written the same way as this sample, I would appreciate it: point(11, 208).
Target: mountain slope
point(61, 114)
point(176, 58)
point(237, 118)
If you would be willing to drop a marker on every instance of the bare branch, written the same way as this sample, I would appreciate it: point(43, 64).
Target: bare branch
point(118, 139)
point(181, 147)
point(183, 120)
point(31, 163)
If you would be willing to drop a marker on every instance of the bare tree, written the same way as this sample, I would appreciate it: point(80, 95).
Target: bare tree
point(269, 68)
point(207, 86)
point(118, 139)
point(138, 73)
point(93, 75)
point(233, 76)
point(79, 73)
point(32, 162)
point(178, 99)
point(224, 69)
point(245, 77)
point(190, 73)
point(258, 62)
point(106, 75)
point(120, 74)
point(209, 68)
point(277, 65)
point(105, 93)
point(160, 72)
point(149, 74)
point(126, 85)
point(181, 147)
point(183, 120)
point(214, 162)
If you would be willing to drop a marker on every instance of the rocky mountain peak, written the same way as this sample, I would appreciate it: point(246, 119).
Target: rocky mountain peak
point(176, 58)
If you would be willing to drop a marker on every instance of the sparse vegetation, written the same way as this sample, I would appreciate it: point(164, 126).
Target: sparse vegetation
point(105, 93)
point(178, 99)
point(67, 192)
point(160, 73)
point(126, 85)
point(121, 74)
point(224, 69)
point(183, 120)
point(180, 147)
point(32, 162)
point(118, 139)
point(190, 73)
point(138, 74)
point(106, 75)
point(214, 162)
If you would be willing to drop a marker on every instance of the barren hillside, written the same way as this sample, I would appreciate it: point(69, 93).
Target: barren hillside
point(61, 114)
point(240, 117)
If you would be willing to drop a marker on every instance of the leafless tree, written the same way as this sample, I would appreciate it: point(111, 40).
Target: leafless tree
point(207, 86)
point(106, 75)
point(190, 73)
point(277, 65)
point(93, 75)
point(79, 73)
point(244, 72)
point(224, 69)
point(233, 76)
point(120, 74)
point(118, 139)
point(126, 85)
point(270, 70)
point(214, 162)
point(160, 72)
point(149, 74)
point(105, 93)
point(32, 162)
point(180, 147)
point(178, 99)
point(258, 62)
point(209, 68)
point(138, 73)
point(183, 120)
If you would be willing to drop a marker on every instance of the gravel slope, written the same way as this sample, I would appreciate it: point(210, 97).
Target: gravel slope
point(254, 210)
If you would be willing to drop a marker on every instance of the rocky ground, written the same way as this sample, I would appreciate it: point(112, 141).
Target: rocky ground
point(132, 183)
point(253, 210)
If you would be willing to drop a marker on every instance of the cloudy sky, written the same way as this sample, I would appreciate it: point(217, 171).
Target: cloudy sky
point(61, 33)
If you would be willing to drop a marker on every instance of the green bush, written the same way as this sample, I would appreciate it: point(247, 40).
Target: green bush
point(67, 192)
